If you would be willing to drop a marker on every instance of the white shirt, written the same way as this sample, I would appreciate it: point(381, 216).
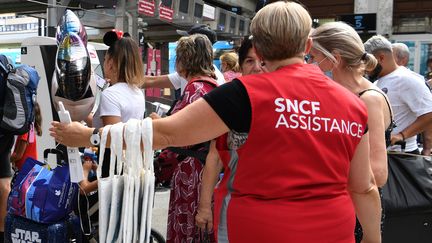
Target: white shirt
point(409, 97)
point(120, 100)
point(180, 83)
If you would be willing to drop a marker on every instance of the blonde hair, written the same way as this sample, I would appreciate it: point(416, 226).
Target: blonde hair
point(280, 30)
point(194, 56)
point(128, 62)
point(338, 37)
point(231, 60)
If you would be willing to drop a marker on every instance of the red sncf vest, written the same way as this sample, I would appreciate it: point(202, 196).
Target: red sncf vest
point(289, 181)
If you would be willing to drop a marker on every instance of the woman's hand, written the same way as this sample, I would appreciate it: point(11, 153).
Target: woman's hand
point(396, 138)
point(74, 134)
point(204, 218)
point(154, 116)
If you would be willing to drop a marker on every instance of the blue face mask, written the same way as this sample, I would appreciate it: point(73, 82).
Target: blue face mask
point(329, 74)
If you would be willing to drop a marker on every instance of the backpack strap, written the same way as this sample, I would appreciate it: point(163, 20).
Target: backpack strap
point(205, 79)
point(5, 66)
point(192, 152)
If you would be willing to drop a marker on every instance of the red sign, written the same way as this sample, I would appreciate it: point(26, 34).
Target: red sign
point(146, 7)
point(153, 69)
point(166, 13)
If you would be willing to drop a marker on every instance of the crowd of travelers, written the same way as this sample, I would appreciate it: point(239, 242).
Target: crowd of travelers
point(298, 120)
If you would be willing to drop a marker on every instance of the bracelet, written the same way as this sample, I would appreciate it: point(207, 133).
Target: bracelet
point(403, 136)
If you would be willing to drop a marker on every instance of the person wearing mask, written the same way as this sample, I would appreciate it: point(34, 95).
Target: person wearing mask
point(230, 66)
point(338, 47)
point(288, 179)
point(409, 97)
point(174, 80)
point(25, 145)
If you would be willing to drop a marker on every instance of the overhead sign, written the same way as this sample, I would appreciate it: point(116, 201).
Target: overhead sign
point(209, 12)
point(361, 22)
point(146, 7)
point(166, 13)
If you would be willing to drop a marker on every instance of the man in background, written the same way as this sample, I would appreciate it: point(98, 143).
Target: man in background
point(401, 54)
point(410, 98)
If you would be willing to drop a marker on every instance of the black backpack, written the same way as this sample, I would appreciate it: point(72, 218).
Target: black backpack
point(18, 87)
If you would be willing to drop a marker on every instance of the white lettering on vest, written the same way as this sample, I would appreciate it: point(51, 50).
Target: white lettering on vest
point(302, 114)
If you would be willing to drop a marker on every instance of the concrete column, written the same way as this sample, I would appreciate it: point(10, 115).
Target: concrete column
point(384, 11)
point(120, 15)
point(385, 17)
point(54, 13)
point(126, 20)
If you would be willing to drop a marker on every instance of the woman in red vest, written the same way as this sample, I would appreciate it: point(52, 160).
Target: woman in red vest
point(249, 64)
point(296, 141)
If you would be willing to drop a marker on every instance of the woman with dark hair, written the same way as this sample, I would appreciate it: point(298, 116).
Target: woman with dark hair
point(248, 60)
point(249, 64)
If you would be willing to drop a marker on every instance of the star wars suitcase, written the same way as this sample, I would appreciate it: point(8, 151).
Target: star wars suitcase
point(18, 229)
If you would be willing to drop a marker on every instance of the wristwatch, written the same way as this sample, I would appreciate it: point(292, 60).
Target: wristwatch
point(95, 137)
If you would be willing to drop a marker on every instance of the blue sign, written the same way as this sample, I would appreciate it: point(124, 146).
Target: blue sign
point(361, 22)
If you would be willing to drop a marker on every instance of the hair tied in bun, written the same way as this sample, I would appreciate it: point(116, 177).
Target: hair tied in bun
point(112, 36)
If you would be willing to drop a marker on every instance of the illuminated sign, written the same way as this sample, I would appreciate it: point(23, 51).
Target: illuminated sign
point(361, 22)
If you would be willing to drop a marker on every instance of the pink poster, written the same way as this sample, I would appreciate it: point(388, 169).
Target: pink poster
point(153, 69)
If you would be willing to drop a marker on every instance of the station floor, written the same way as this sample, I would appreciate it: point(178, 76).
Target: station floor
point(160, 211)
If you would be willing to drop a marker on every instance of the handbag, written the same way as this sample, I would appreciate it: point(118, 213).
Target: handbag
point(114, 233)
point(104, 189)
point(134, 172)
point(42, 194)
point(149, 180)
point(409, 185)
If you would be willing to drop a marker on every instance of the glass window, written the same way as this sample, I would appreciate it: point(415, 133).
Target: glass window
point(184, 6)
point(232, 22)
point(222, 19)
point(198, 12)
point(167, 3)
point(425, 59)
point(241, 25)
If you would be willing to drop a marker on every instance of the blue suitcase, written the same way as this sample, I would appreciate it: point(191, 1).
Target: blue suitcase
point(18, 229)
